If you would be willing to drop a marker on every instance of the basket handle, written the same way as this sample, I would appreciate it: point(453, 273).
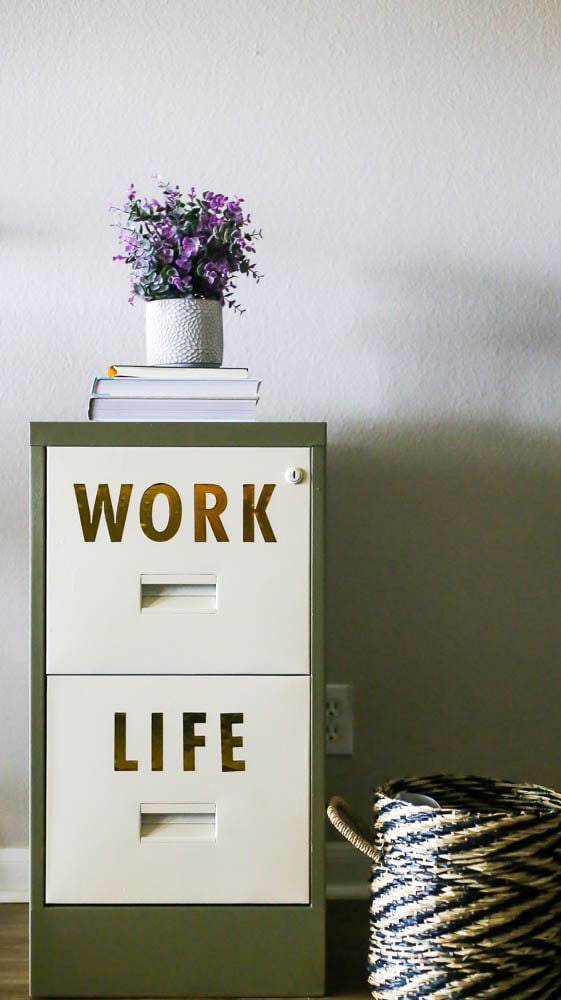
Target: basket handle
point(351, 826)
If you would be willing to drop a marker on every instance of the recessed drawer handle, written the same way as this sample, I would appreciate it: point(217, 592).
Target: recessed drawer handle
point(178, 821)
point(176, 592)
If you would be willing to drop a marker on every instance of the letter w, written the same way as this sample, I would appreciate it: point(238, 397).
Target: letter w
point(90, 520)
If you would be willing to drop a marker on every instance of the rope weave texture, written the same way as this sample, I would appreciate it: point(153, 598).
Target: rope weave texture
point(465, 899)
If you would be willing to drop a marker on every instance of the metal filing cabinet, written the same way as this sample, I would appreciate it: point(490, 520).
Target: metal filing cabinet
point(177, 710)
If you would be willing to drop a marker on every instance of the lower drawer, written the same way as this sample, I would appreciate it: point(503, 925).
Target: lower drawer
point(190, 789)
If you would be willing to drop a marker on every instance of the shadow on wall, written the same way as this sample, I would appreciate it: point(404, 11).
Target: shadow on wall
point(462, 339)
point(444, 602)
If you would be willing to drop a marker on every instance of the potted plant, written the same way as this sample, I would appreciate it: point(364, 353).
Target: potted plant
point(185, 253)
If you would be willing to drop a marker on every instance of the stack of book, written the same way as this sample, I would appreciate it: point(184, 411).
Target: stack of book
point(163, 392)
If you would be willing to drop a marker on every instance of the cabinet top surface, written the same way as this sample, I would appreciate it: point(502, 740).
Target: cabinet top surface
point(158, 434)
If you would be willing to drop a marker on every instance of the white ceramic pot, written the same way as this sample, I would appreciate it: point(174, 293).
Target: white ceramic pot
point(184, 331)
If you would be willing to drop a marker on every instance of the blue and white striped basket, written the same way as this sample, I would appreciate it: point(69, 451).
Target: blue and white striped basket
point(465, 898)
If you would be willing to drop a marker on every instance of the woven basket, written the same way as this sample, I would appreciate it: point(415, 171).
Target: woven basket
point(466, 898)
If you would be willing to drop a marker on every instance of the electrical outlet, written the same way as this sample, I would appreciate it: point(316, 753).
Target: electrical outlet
point(338, 719)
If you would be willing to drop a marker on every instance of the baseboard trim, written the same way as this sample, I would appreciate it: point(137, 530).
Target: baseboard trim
point(347, 873)
point(14, 875)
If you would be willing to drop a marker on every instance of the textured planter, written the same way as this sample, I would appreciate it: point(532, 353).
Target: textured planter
point(184, 331)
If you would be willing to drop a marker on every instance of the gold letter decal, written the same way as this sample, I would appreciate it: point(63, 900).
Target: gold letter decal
point(190, 740)
point(146, 506)
point(157, 741)
point(228, 741)
point(120, 749)
point(212, 514)
point(253, 510)
point(90, 520)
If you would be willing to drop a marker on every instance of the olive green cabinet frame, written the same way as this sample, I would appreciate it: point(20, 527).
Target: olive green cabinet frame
point(176, 950)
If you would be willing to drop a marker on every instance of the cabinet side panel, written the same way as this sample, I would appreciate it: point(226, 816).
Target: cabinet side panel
point(37, 689)
point(317, 587)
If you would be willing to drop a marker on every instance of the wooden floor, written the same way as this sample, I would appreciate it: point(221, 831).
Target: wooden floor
point(347, 942)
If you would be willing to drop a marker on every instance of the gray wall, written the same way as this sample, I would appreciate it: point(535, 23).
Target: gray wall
point(444, 601)
point(403, 159)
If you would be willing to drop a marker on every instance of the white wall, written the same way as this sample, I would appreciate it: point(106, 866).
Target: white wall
point(403, 159)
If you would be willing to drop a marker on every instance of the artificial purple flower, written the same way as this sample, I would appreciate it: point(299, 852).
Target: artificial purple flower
point(182, 246)
point(215, 274)
point(171, 196)
point(190, 246)
point(207, 223)
point(166, 230)
point(130, 241)
point(216, 201)
point(235, 212)
point(185, 267)
point(175, 279)
point(210, 274)
point(165, 253)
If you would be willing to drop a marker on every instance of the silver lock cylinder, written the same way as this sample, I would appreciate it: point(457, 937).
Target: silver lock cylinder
point(294, 475)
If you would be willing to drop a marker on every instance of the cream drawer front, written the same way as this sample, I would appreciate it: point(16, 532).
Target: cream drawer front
point(177, 560)
point(127, 823)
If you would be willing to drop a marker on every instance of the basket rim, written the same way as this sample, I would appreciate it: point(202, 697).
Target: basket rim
point(383, 796)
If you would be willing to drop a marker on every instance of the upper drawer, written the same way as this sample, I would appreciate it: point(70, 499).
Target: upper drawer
point(177, 560)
